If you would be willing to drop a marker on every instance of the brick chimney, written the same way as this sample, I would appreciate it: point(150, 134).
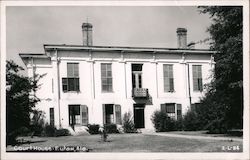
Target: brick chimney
point(181, 37)
point(87, 34)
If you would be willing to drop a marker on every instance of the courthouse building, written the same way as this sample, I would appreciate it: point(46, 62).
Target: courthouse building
point(88, 84)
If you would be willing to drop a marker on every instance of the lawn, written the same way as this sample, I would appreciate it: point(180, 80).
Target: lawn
point(134, 143)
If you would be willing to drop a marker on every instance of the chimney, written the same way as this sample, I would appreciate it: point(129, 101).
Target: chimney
point(181, 37)
point(87, 34)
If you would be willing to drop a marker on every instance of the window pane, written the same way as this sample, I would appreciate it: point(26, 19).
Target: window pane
point(71, 84)
point(77, 86)
point(197, 78)
point(168, 78)
point(106, 76)
point(76, 70)
point(65, 84)
point(70, 70)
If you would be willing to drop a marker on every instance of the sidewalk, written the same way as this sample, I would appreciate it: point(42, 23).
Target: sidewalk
point(194, 137)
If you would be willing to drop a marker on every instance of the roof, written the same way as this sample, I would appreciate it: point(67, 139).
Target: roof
point(36, 55)
point(48, 47)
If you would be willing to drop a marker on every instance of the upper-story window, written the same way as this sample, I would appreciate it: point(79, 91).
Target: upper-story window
point(197, 78)
point(106, 75)
point(71, 83)
point(168, 78)
point(137, 75)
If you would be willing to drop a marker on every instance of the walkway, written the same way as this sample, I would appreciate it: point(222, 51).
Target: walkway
point(193, 137)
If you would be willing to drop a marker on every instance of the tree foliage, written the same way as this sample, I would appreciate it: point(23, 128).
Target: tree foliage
point(222, 107)
point(19, 101)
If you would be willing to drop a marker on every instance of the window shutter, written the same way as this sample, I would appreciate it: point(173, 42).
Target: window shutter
point(84, 114)
point(179, 111)
point(103, 113)
point(65, 84)
point(118, 116)
point(163, 108)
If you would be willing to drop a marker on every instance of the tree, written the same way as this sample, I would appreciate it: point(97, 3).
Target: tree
point(222, 107)
point(19, 101)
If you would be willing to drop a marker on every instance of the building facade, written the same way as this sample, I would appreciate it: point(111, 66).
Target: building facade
point(86, 84)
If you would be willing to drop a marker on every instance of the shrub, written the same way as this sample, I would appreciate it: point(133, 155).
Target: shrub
point(128, 124)
point(179, 124)
point(191, 121)
point(110, 128)
point(37, 122)
point(93, 128)
point(162, 122)
point(62, 132)
point(49, 131)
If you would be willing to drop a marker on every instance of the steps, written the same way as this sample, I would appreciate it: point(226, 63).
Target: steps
point(78, 130)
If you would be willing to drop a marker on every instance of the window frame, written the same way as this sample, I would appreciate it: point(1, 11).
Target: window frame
point(168, 77)
point(197, 78)
point(71, 78)
point(106, 77)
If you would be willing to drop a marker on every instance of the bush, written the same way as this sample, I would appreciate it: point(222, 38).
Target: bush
point(128, 124)
point(179, 124)
point(111, 128)
point(191, 121)
point(62, 132)
point(93, 128)
point(37, 123)
point(162, 122)
point(49, 131)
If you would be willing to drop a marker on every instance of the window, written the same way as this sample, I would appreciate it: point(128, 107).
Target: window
point(173, 110)
point(137, 75)
point(106, 75)
point(112, 114)
point(51, 116)
point(78, 115)
point(71, 83)
point(197, 78)
point(168, 78)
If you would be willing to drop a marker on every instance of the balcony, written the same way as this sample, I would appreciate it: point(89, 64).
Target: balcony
point(140, 93)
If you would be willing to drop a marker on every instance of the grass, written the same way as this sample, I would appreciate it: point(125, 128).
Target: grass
point(133, 143)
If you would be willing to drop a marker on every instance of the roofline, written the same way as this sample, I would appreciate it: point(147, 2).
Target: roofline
point(35, 55)
point(48, 47)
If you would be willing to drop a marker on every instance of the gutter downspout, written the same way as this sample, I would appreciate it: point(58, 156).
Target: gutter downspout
point(58, 82)
point(189, 92)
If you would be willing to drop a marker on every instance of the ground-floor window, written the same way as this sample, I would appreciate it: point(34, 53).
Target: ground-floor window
point(51, 117)
point(112, 114)
point(173, 110)
point(78, 115)
point(194, 106)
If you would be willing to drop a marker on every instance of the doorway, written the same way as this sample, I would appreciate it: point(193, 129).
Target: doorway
point(139, 115)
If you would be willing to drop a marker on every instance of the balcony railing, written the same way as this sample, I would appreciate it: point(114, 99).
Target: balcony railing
point(140, 92)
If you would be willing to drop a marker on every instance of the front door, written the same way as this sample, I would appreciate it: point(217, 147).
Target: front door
point(139, 115)
point(74, 115)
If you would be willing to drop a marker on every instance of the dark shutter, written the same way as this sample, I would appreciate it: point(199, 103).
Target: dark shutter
point(179, 111)
point(51, 115)
point(163, 108)
point(118, 115)
point(103, 113)
point(85, 116)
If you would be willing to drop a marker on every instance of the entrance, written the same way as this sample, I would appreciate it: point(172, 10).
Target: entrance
point(139, 115)
point(74, 115)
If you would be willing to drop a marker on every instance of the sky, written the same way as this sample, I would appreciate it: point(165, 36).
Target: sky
point(29, 27)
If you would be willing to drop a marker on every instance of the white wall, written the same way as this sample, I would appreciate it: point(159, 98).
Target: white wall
point(90, 82)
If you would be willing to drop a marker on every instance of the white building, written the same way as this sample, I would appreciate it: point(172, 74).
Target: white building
point(86, 84)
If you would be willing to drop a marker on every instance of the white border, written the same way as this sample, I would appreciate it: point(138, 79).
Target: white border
point(112, 155)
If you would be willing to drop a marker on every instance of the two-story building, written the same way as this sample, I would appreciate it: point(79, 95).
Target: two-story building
point(87, 84)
